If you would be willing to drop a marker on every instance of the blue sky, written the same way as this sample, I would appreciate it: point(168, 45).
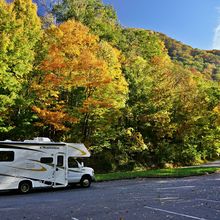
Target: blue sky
point(193, 22)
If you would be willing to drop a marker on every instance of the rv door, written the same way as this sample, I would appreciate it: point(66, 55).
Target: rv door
point(60, 173)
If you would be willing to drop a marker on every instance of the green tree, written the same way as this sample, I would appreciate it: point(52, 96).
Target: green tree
point(20, 29)
point(100, 18)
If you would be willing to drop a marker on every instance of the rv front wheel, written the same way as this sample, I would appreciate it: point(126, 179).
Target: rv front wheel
point(25, 187)
point(85, 181)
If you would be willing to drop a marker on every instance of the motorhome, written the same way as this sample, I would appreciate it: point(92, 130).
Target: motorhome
point(28, 164)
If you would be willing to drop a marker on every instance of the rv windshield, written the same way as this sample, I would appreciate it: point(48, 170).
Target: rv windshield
point(72, 162)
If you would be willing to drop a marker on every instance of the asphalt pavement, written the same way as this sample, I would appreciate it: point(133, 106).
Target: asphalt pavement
point(154, 199)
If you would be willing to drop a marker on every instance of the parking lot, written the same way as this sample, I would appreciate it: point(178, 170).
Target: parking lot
point(153, 199)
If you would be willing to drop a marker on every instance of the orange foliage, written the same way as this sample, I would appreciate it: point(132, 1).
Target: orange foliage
point(91, 103)
point(75, 59)
point(56, 119)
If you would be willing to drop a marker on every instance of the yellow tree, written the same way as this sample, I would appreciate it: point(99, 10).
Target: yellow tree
point(81, 77)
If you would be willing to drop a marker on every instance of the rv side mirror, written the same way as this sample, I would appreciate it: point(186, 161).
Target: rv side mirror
point(82, 164)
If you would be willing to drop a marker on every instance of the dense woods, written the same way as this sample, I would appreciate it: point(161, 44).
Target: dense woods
point(135, 97)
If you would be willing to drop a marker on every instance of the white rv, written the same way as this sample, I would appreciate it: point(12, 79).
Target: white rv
point(41, 163)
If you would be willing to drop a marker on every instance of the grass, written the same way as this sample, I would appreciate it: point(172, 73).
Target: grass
point(168, 173)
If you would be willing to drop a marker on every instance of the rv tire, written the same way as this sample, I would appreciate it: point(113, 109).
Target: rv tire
point(85, 181)
point(25, 187)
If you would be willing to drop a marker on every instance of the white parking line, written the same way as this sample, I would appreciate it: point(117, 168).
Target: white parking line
point(174, 213)
point(177, 187)
point(169, 198)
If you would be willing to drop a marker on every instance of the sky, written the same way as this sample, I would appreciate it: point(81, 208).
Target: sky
point(193, 22)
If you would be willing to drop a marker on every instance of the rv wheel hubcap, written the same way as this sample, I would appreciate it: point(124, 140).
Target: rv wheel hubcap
point(85, 182)
point(24, 188)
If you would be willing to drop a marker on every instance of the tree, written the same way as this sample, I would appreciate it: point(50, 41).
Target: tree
point(20, 29)
point(100, 18)
point(80, 76)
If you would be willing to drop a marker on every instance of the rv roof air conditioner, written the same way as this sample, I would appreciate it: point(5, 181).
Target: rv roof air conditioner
point(42, 139)
point(38, 139)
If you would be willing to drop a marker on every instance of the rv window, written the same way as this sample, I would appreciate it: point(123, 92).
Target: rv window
point(47, 160)
point(72, 163)
point(7, 156)
point(60, 161)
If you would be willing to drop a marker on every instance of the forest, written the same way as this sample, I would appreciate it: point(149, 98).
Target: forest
point(136, 98)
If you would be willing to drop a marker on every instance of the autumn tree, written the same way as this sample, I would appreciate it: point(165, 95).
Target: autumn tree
point(80, 81)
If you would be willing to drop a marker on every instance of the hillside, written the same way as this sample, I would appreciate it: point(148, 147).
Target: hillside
point(205, 61)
